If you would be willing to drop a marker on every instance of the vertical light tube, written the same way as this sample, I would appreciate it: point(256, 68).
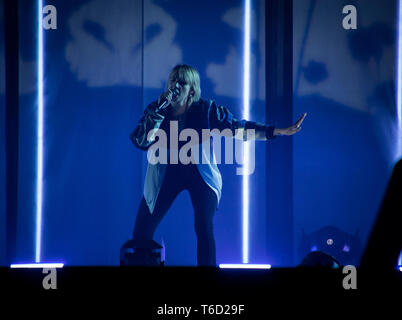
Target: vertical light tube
point(398, 93)
point(399, 80)
point(39, 159)
point(246, 115)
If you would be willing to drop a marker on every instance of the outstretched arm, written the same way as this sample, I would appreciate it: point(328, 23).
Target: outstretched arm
point(222, 118)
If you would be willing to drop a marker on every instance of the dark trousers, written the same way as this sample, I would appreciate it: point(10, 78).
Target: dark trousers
point(179, 177)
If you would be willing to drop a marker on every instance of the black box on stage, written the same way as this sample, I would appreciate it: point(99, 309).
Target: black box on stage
point(141, 253)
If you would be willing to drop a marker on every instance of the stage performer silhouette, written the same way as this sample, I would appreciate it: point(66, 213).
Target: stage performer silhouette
point(202, 179)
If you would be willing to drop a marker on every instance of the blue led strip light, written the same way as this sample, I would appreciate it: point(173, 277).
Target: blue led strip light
point(246, 115)
point(399, 97)
point(399, 81)
point(245, 266)
point(39, 159)
point(36, 265)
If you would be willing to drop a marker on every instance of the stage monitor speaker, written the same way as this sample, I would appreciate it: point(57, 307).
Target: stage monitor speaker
point(141, 253)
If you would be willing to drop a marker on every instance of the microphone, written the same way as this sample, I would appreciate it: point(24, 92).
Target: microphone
point(165, 101)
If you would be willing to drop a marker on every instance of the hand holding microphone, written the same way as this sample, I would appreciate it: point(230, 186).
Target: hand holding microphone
point(167, 97)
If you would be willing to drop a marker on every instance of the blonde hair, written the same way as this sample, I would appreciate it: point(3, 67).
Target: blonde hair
point(189, 75)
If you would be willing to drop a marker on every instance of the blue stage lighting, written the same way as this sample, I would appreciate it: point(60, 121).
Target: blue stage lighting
point(399, 81)
point(36, 265)
point(39, 159)
point(246, 115)
point(245, 266)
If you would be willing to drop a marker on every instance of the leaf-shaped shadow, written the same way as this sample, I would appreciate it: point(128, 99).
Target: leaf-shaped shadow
point(315, 72)
point(98, 32)
point(365, 43)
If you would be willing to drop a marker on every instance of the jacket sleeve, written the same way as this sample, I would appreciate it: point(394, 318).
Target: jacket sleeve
point(221, 118)
point(150, 120)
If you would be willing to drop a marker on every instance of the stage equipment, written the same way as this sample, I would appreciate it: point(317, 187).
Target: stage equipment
point(345, 248)
point(141, 253)
point(320, 259)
